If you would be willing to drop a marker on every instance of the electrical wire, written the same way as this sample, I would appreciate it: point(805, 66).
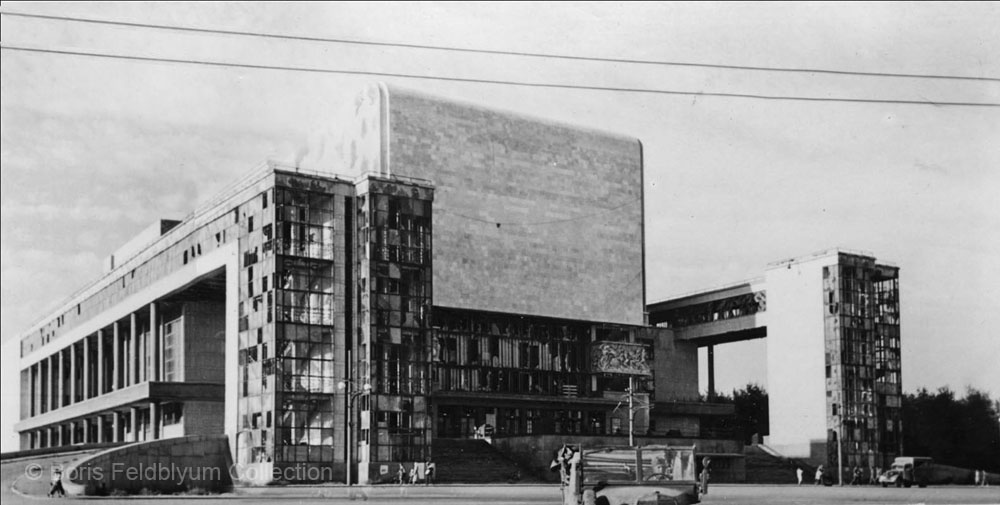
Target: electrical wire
point(488, 51)
point(491, 81)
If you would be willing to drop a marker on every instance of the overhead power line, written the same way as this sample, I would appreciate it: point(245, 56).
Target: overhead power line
point(242, 33)
point(489, 81)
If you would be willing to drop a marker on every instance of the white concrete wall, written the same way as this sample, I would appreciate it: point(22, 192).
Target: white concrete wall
point(795, 355)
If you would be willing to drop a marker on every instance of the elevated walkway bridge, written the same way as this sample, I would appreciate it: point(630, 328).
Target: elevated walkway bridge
point(731, 313)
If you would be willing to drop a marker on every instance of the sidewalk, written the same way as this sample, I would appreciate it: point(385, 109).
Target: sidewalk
point(469, 491)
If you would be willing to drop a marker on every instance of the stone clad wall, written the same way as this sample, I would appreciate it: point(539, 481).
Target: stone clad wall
point(204, 343)
point(568, 202)
point(158, 467)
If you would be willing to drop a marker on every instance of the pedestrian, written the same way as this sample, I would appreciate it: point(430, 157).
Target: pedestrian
point(429, 470)
point(872, 475)
point(976, 477)
point(819, 475)
point(798, 475)
point(57, 486)
point(705, 463)
point(855, 475)
point(401, 475)
point(413, 475)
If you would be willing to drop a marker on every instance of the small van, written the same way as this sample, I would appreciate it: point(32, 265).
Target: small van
point(906, 471)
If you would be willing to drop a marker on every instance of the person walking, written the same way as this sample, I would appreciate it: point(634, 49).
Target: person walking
point(401, 475)
point(57, 485)
point(819, 476)
point(798, 475)
point(429, 469)
point(704, 474)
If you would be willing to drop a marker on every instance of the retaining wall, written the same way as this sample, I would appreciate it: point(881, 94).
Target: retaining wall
point(173, 465)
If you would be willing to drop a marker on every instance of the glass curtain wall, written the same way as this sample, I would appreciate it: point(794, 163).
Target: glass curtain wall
point(395, 290)
point(305, 305)
point(862, 363)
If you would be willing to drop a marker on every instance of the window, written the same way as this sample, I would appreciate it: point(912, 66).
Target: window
point(250, 223)
point(173, 413)
point(170, 353)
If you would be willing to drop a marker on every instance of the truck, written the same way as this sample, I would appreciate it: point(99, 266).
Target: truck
point(648, 475)
point(906, 471)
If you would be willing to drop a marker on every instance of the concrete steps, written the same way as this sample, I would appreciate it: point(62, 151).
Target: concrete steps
point(472, 461)
point(764, 467)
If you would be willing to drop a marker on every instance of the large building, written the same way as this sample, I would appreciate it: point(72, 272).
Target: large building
point(833, 351)
point(430, 268)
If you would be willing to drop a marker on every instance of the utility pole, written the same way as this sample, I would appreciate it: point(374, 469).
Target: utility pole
point(631, 412)
point(349, 397)
point(630, 397)
point(840, 450)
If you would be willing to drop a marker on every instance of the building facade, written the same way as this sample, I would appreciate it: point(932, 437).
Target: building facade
point(833, 351)
point(442, 268)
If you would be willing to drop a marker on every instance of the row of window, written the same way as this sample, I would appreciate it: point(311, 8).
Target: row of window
point(507, 352)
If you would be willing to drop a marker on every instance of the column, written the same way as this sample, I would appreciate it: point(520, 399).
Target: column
point(50, 388)
point(100, 429)
point(59, 383)
point(100, 363)
point(36, 389)
point(154, 421)
point(143, 372)
point(85, 424)
point(116, 358)
point(49, 442)
point(134, 423)
point(133, 350)
point(86, 368)
point(116, 426)
point(154, 343)
point(71, 438)
point(72, 373)
point(711, 372)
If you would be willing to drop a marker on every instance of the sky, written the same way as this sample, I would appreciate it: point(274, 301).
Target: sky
point(95, 149)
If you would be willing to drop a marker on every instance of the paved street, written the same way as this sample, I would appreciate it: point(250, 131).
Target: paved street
point(524, 494)
point(812, 495)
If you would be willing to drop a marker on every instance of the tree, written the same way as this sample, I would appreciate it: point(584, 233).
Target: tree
point(963, 432)
point(751, 410)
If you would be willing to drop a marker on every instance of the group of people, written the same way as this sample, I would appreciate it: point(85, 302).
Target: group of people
point(856, 474)
point(428, 469)
point(982, 478)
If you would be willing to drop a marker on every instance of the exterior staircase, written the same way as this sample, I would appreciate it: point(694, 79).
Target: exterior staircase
point(764, 467)
point(473, 462)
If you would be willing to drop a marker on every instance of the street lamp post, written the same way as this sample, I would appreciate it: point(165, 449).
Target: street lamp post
point(349, 397)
